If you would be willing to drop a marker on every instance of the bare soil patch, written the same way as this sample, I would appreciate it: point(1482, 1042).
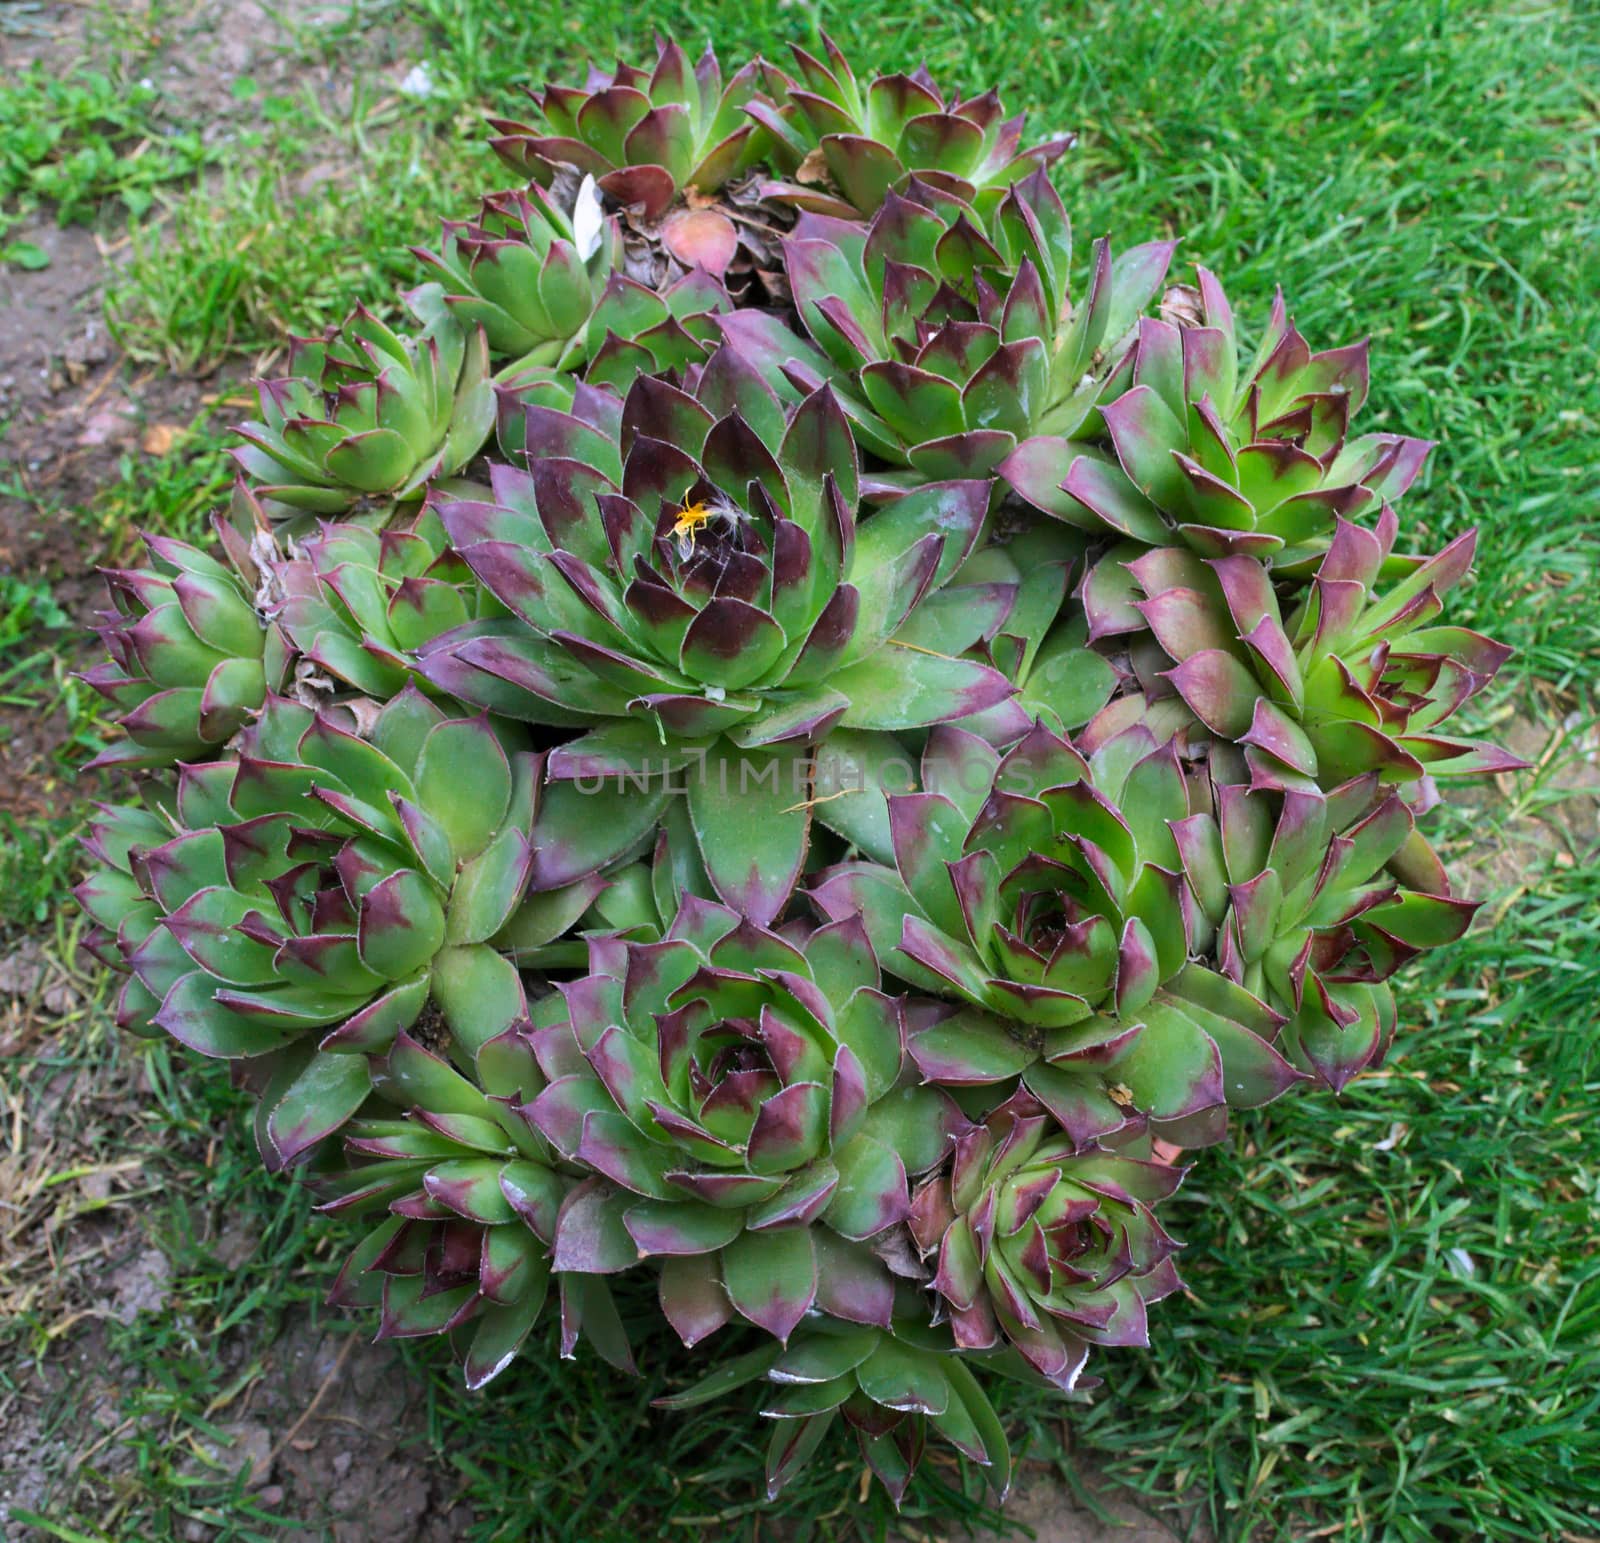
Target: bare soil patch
point(69, 410)
point(322, 1441)
point(327, 1431)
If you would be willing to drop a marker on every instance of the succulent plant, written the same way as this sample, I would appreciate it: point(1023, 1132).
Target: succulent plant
point(1229, 458)
point(1316, 900)
point(1041, 644)
point(1054, 884)
point(952, 337)
point(747, 1110)
point(366, 419)
point(1048, 890)
point(1359, 677)
point(313, 897)
point(190, 656)
point(636, 902)
point(702, 565)
point(358, 603)
point(891, 1387)
point(636, 331)
point(523, 272)
point(470, 1194)
point(645, 134)
point(1051, 1248)
point(871, 140)
point(706, 589)
point(673, 149)
point(878, 754)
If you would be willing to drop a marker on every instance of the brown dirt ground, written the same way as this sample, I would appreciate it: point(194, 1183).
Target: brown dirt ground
point(1558, 818)
point(70, 409)
point(332, 1428)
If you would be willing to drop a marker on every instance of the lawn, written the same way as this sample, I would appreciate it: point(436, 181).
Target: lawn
point(1392, 1327)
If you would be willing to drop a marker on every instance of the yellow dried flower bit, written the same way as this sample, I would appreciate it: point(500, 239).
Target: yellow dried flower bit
point(690, 518)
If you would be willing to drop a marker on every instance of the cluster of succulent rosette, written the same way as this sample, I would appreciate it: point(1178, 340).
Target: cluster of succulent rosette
point(788, 740)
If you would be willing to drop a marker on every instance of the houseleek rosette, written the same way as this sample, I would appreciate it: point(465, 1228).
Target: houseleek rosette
point(300, 905)
point(358, 604)
point(1361, 675)
point(1317, 899)
point(891, 1388)
point(688, 572)
point(646, 135)
point(366, 419)
point(950, 336)
point(548, 311)
point(190, 656)
point(873, 139)
point(522, 272)
point(467, 1193)
point(1048, 891)
point(1225, 456)
point(1046, 1247)
point(744, 1106)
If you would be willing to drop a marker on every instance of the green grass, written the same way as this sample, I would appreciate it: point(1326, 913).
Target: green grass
point(74, 144)
point(291, 242)
point(1395, 1297)
point(38, 856)
point(1405, 1340)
